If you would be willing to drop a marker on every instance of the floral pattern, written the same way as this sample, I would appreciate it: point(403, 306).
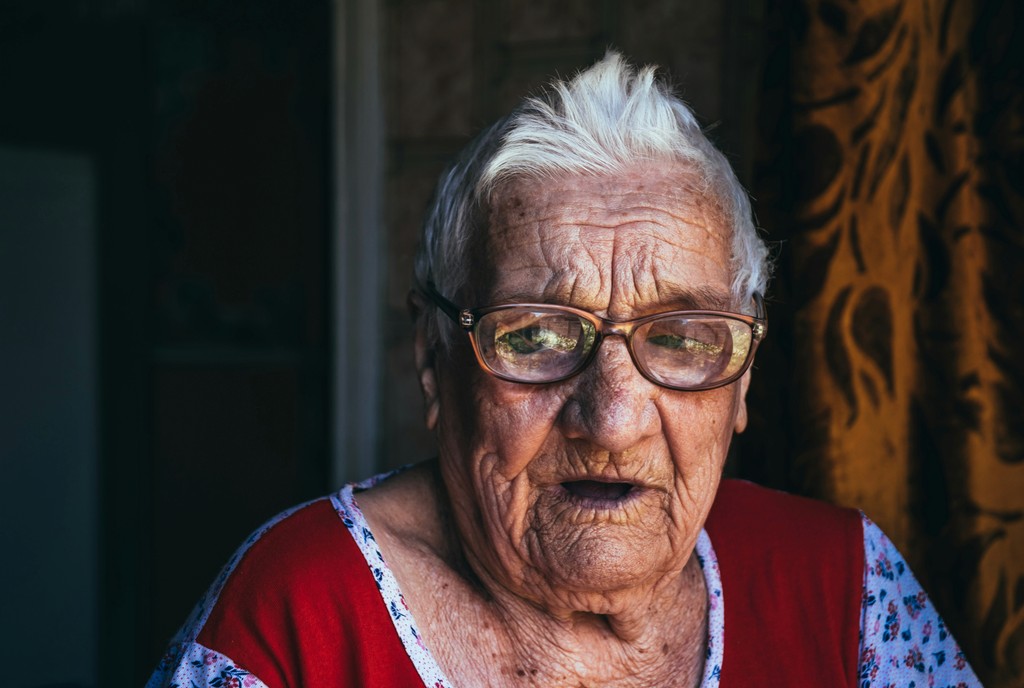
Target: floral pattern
point(903, 641)
point(201, 666)
point(716, 611)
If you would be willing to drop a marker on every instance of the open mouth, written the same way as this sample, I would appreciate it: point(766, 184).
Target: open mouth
point(594, 491)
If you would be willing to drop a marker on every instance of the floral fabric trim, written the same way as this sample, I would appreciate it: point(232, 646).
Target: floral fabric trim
point(903, 641)
point(716, 611)
point(201, 666)
point(422, 659)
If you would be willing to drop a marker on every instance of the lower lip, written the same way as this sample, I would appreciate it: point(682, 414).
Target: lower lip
point(592, 494)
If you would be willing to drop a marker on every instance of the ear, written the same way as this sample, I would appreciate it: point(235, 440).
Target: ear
point(426, 360)
point(741, 404)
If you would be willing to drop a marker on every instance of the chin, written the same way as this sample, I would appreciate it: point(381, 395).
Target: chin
point(602, 558)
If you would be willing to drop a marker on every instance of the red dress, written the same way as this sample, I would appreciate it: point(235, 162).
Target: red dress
point(303, 603)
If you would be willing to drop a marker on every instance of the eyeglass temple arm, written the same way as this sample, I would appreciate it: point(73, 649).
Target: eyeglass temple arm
point(461, 316)
point(761, 326)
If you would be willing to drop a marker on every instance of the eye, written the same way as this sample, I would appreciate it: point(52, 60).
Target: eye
point(703, 346)
point(533, 344)
point(528, 340)
point(522, 341)
point(666, 341)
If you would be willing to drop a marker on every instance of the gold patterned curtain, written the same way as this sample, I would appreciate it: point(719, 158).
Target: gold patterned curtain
point(891, 172)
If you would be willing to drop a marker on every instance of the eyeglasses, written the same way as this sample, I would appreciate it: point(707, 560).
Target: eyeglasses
point(537, 343)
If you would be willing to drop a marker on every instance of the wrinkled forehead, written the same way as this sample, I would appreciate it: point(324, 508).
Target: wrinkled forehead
point(673, 188)
point(636, 237)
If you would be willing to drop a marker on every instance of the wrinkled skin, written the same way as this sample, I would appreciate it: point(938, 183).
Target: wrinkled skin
point(557, 571)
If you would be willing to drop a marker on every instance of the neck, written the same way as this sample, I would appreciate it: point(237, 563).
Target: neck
point(626, 613)
point(654, 637)
point(625, 608)
point(654, 633)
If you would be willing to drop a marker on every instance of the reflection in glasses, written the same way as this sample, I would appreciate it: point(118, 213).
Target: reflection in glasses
point(540, 343)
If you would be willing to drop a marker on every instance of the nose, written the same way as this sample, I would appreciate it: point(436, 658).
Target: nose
point(611, 404)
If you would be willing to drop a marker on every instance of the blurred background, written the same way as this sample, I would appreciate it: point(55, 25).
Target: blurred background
point(208, 212)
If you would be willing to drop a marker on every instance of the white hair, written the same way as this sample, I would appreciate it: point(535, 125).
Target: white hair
point(608, 118)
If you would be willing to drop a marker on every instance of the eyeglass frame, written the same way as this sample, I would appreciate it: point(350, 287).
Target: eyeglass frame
point(469, 318)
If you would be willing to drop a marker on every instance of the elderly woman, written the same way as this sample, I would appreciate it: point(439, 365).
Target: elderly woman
point(588, 305)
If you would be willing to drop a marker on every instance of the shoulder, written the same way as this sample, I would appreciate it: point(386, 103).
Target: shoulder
point(406, 512)
point(308, 542)
point(767, 537)
point(787, 542)
point(216, 642)
point(296, 605)
point(299, 574)
point(792, 572)
point(298, 558)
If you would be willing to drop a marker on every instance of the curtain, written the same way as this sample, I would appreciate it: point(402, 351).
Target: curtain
point(890, 177)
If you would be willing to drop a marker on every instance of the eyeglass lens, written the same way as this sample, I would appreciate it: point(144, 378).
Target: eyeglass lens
point(680, 351)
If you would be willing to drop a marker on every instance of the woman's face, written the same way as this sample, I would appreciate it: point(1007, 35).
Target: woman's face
point(570, 492)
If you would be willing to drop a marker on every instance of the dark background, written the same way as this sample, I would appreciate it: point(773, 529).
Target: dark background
point(207, 218)
point(167, 368)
